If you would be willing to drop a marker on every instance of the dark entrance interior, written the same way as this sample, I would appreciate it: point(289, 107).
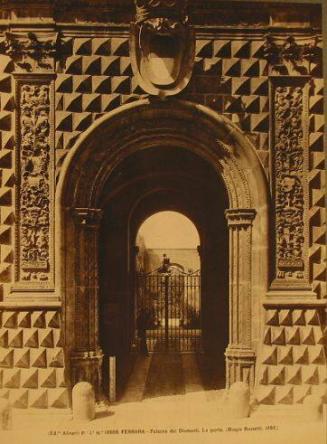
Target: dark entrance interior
point(149, 181)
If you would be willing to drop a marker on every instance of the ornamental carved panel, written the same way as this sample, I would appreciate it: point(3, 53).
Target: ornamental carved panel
point(289, 173)
point(34, 191)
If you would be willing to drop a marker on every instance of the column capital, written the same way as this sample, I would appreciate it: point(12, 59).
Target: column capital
point(240, 217)
point(88, 217)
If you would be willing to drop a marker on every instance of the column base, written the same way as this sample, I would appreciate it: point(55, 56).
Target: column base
point(87, 366)
point(240, 365)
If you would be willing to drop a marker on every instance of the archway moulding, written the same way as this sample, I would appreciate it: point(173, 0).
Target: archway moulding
point(79, 203)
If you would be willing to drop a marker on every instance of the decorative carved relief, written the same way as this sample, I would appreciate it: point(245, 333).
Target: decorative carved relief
point(289, 172)
point(288, 56)
point(162, 46)
point(34, 193)
point(30, 52)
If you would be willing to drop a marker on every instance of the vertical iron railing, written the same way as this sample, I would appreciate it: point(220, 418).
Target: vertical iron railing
point(171, 299)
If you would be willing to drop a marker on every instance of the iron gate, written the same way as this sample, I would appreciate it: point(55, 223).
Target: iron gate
point(169, 307)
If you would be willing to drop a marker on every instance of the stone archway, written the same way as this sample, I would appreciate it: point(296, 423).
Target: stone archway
point(139, 126)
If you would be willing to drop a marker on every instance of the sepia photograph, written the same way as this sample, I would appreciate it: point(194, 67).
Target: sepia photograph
point(163, 221)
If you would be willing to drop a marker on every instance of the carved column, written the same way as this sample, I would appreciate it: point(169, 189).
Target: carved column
point(240, 358)
point(86, 359)
point(289, 102)
point(34, 262)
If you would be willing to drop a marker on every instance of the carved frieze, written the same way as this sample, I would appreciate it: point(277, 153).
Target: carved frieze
point(290, 56)
point(30, 52)
point(290, 178)
point(34, 191)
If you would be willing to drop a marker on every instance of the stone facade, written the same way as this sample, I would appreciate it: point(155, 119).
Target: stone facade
point(61, 69)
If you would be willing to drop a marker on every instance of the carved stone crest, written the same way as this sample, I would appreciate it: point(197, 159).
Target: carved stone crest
point(162, 46)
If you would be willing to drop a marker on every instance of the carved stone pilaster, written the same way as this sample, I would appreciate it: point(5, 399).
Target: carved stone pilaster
point(86, 359)
point(86, 366)
point(240, 358)
point(35, 185)
point(290, 164)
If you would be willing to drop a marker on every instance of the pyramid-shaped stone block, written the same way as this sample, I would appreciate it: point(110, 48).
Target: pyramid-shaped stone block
point(46, 338)
point(272, 317)
point(294, 375)
point(213, 66)
point(285, 395)
point(19, 398)
point(251, 104)
point(38, 358)
point(64, 121)
point(250, 68)
point(270, 355)
point(38, 399)
point(301, 392)
point(277, 375)
point(58, 338)
point(110, 66)
point(92, 103)
point(310, 374)
point(267, 336)
point(53, 319)
point(7, 255)
point(301, 354)
point(121, 85)
point(92, 65)
point(278, 336)
point(241, 86)
point(241, 48)
point(48, 378)
point(298, 317)
point(61, 377)
point(5, 234)
point(11, 378)
point(29, 378)
point(316, 104)
point(101, 46)
point(317, 355)
point(232, 67)
point(82, 121)
point(266, 394)
point(257, 48)
point(286, 355)
point(58, 398)
point(5, 83)
point(7, 140)
point(22, 358)
point(82, 84)
point(64, 83)
point(316, 141)
point(259, 86)
point(7, 102)
point(31, 338)
point(312, 317)
point(74, 65)
point(82, 46)
point(7, 216)
point(9, 319)
point(5, 196)
point(101, 84)
point(6, 358)
point(285, 317)
point(120, 46)
point(56, 357)
point(24, 319)
point(222, 48)
point(38, 319)
point(204, 48)
point(263, 375)
point(3, 338)
point(73, 102)
point(308, 336)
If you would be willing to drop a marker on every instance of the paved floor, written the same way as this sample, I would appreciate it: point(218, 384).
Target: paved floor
point(179, 401)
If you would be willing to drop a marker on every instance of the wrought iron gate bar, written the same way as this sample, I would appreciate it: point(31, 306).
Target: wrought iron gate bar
point(170, 300)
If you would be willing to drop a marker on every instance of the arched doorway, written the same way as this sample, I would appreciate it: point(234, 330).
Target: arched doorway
point(92, 180)
point(146, 183)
